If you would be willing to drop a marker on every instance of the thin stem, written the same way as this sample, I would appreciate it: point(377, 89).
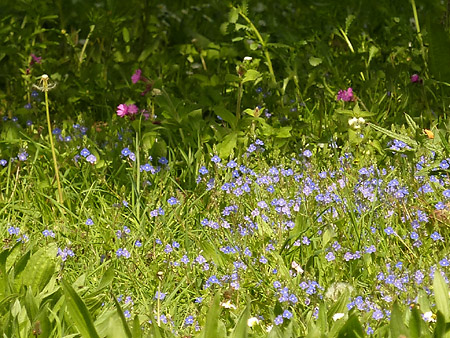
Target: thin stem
point(238, 104)
point(419, 33)
point(61, 200)
point(263, 44)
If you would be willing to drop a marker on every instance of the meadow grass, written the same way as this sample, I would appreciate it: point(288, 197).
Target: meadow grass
point(251, 184)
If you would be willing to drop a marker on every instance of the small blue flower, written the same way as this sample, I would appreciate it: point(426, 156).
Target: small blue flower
point(91, 159)
point(172, 201)
point(216, 159)
point(330, 256)
point(203, 170)
point(278, 320)
point(389, 231)
point(85, 152)
point(89, 221)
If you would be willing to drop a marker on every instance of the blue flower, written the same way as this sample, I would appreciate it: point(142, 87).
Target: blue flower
point(85, 152)
point(444, 262)
point(278, 320)
point(89, 221)
point(330, 256)
point(203, 170)
point(287, 314)
point(389, 231)
point(172, 201)
point(216, 159)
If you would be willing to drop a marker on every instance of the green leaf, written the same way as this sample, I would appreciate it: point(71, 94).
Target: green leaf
point(227, 145)
point(313, 61)
point(241, 328)
point(352, 328)
point(212, 318)
point(122, 318)
point(226, 115)
point(397, 327)
point(441, 295)
point(234, 15)
point(251, 75)
point(412, 124)
point(107, 278)
point(125, 35)
point(79, 312)
point(409, 141)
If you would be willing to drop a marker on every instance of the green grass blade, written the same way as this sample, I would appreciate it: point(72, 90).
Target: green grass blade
point(79, 312)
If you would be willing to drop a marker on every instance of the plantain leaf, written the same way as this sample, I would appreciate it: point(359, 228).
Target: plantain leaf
point(79, 312)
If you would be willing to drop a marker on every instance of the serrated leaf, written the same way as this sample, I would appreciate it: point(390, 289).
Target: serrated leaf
point(233, 15)
point(409, 141)
point(251, 75)
point(79, 312)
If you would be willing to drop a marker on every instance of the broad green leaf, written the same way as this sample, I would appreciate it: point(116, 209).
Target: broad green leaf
point(441, 295)
point(227, 145)
point(251, 75)
point(397, 327)
point(212, 318)
point(79, 312)
point(226, 115)
point(352, 328)
point(241, 328)
point(122, 318)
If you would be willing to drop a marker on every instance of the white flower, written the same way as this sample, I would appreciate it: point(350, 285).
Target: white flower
point(356, 122)
point(252, 321)
point(248, 58)
point(297, 267)
point(338, 316)
point(228, 305)
point(429, 317)
point(269, 328)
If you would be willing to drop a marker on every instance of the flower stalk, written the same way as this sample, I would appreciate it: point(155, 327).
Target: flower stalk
point(45, 87)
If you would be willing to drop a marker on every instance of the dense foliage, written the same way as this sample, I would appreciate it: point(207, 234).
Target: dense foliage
point(219, 168)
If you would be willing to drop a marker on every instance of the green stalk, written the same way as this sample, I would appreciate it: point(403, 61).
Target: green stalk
point(238, 104)
point(263, 44)
point(419, 33)
point(45, 89)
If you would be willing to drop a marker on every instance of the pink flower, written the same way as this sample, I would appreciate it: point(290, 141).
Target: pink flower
point(132, 109)
point(122, 110)
point(415, 78)
point(35, 59)
point(136, 76)
point(345, 95)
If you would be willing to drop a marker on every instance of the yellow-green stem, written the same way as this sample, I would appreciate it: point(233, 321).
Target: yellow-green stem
point(53, 148)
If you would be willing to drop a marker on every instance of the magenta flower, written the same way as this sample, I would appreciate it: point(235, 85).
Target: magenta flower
point(345, 95)
point(122, 110)
point(136, 76)
point(415, 78)
point(35, 59)
point(132, 109)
